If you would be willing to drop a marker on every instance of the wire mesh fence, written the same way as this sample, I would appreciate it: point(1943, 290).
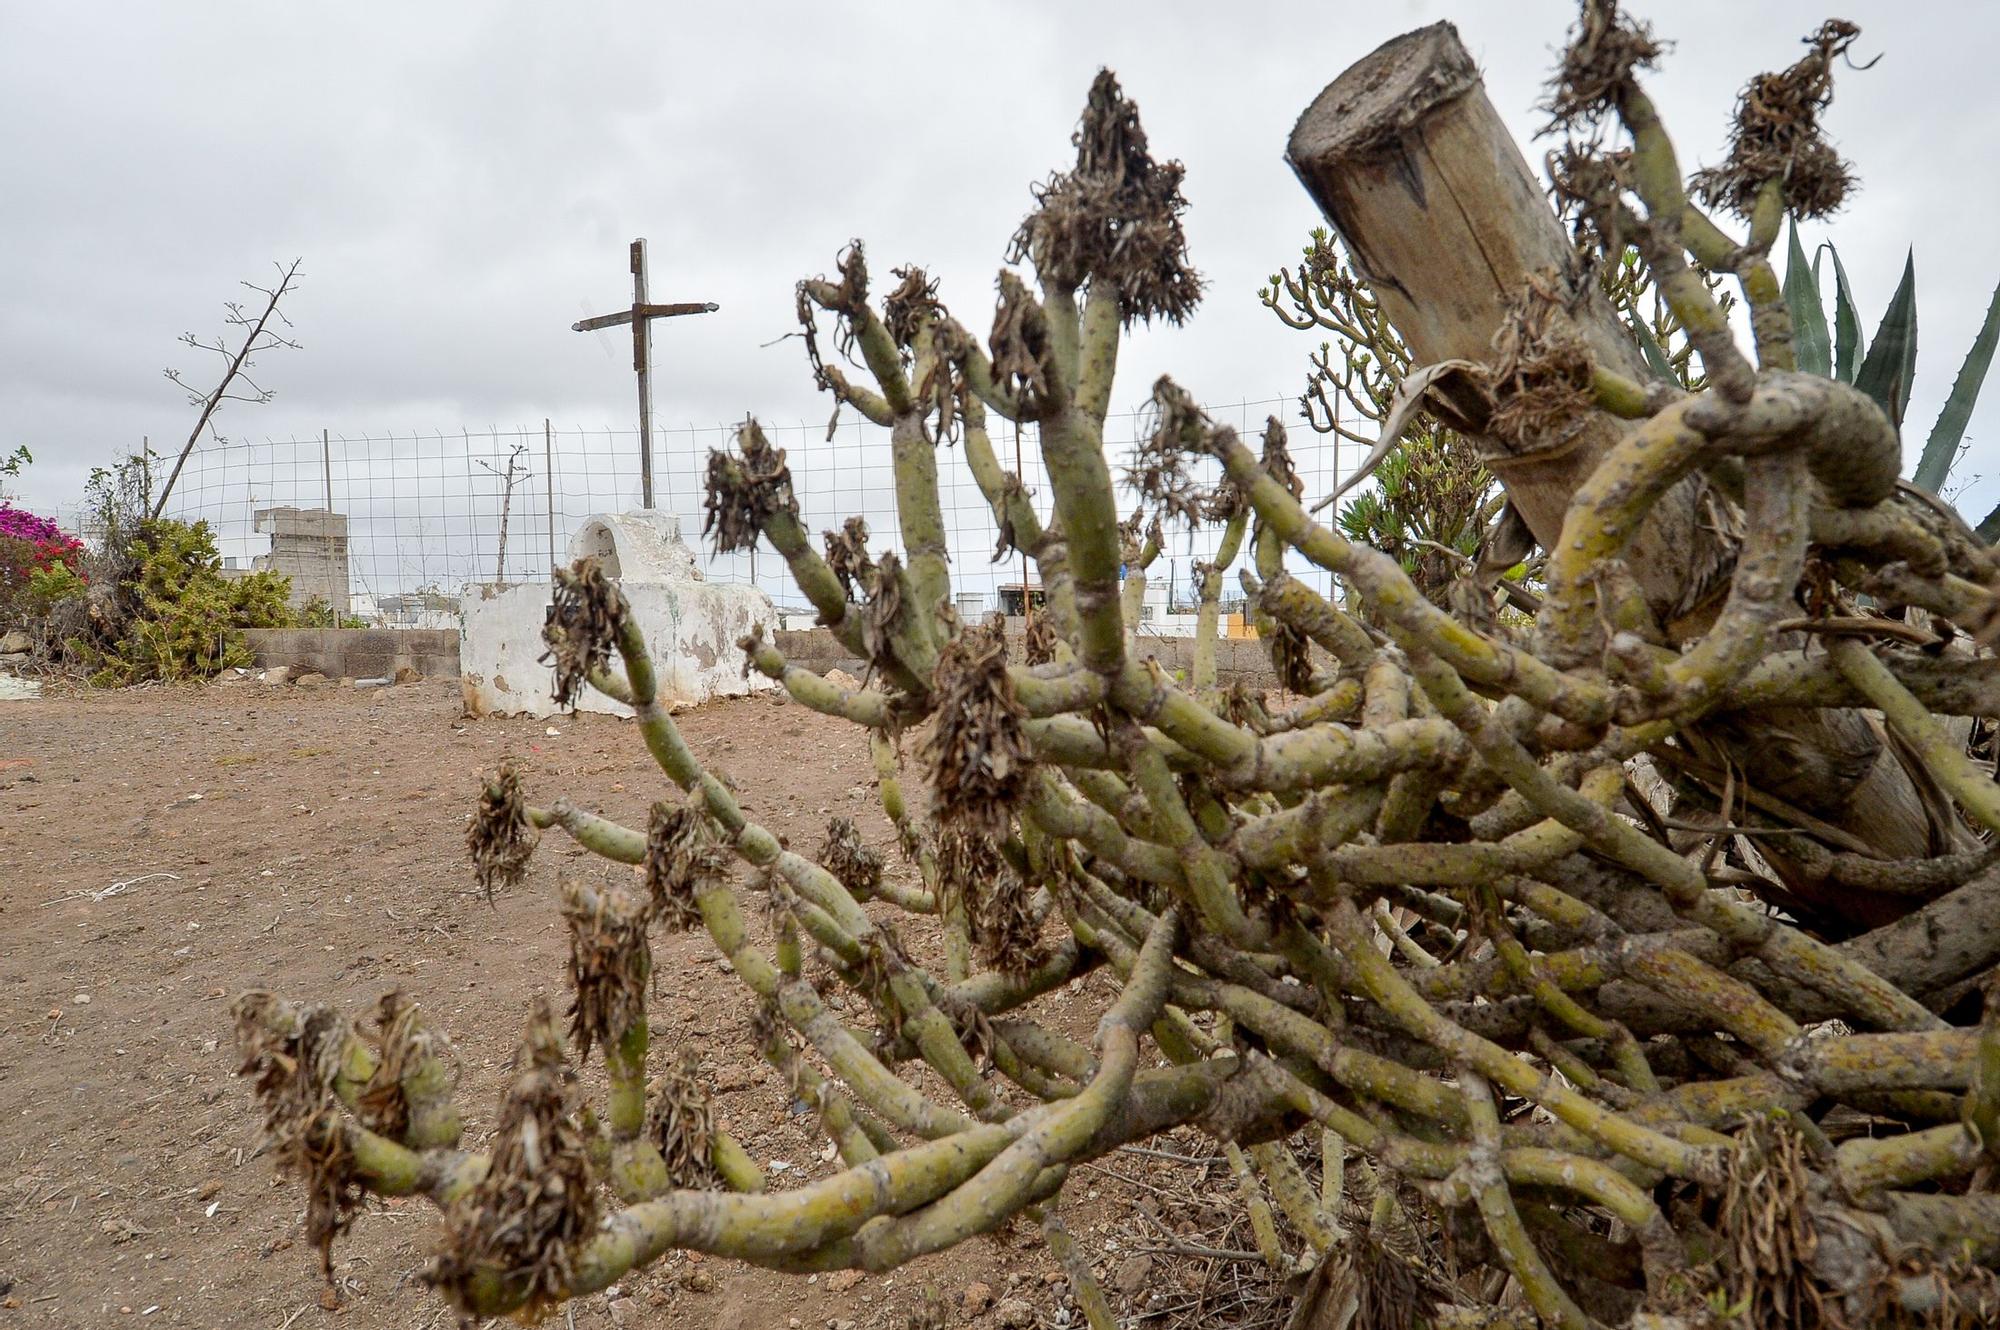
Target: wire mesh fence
point(429, 514)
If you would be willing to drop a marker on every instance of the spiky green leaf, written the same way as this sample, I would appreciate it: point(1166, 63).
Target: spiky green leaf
point(1655, 354)
point(1941, 449)
point(1847, 345)
point(1811, 345)
point(1891, 363)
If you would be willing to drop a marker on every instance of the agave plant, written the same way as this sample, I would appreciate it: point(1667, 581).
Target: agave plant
point(1885, 368)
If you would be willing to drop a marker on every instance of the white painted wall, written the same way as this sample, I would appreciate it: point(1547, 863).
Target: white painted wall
point(691, 626)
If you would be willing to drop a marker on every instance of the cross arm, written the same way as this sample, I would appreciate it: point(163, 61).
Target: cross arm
point(625, 316)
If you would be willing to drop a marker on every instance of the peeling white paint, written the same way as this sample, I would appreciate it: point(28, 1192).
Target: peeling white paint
point(691, 625)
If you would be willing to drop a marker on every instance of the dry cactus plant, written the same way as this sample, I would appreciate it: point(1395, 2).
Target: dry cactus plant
point(1620, 1024)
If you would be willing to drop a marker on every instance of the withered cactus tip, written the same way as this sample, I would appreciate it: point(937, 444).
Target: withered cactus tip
point(581, 629)
point(500, 839)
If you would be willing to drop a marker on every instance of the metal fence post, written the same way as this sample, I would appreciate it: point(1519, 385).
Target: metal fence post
point(549, 482)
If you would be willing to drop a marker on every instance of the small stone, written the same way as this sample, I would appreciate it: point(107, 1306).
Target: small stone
point(1132, 1274)
point(15, 643)
point(209, 1190)
point(1014, 1314)
point(407, 674)
point(310, 679)
point(842, 679)
point(80, 999)
point(622, 1311)
point(840, 1281)
point(698, 1281)
point(978, 1296)
point(277, 674)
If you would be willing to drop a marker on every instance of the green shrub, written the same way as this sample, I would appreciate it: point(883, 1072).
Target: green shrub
point(317, 613)
point(48, 587)
point(171, 615)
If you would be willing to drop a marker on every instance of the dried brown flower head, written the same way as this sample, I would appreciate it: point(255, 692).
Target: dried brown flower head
point(884, 611)
point(911, 306)
point(523, 1222)
point(847, 555)
point(1115, 220)
point(609, 963)
point(1159, 468)
point(1777, 136)
point(1291, 657)
point(500, 838)
point(584, 619)
point(1766, 1231)
point(1604, 49)
point(1589, 184)
point(684, 857)
point(1542, 372)
point(975, 877)
point(746, 491)
point(682, 1123)
point(1277, 458)
point(293, 1056)
point(1023, 356)
point(847, 299)
point(406, 1049)
point(978, 753)
point(1038, 646)
point(844, 855)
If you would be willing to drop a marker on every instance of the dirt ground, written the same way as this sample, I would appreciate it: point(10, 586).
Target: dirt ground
point(163, 849)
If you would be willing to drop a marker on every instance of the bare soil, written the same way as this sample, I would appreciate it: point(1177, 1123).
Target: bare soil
point(163, 849)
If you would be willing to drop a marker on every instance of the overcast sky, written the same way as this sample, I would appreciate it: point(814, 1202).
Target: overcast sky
point(462, 179)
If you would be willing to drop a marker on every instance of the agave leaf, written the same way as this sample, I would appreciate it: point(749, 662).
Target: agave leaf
point(1404, 406)
point(1941, 449)
point(1655, 354)
point(1810, 342)
point(1891, 362)
point(1847, 346)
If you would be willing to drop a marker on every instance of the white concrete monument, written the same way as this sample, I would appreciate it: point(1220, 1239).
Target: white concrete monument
point(692, 626)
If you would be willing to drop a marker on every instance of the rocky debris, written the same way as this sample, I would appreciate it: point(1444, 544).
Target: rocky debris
point(1014, 1314)
point(14, 642)
point(842, 679)
point(310, 679)
point(978, 1296)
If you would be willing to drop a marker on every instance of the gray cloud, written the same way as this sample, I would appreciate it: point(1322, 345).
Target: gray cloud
point(461, 180)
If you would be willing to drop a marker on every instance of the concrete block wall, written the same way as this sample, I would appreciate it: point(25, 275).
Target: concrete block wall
point(358, 653)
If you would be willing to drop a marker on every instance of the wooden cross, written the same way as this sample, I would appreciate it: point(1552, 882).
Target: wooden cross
point(641, 317)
